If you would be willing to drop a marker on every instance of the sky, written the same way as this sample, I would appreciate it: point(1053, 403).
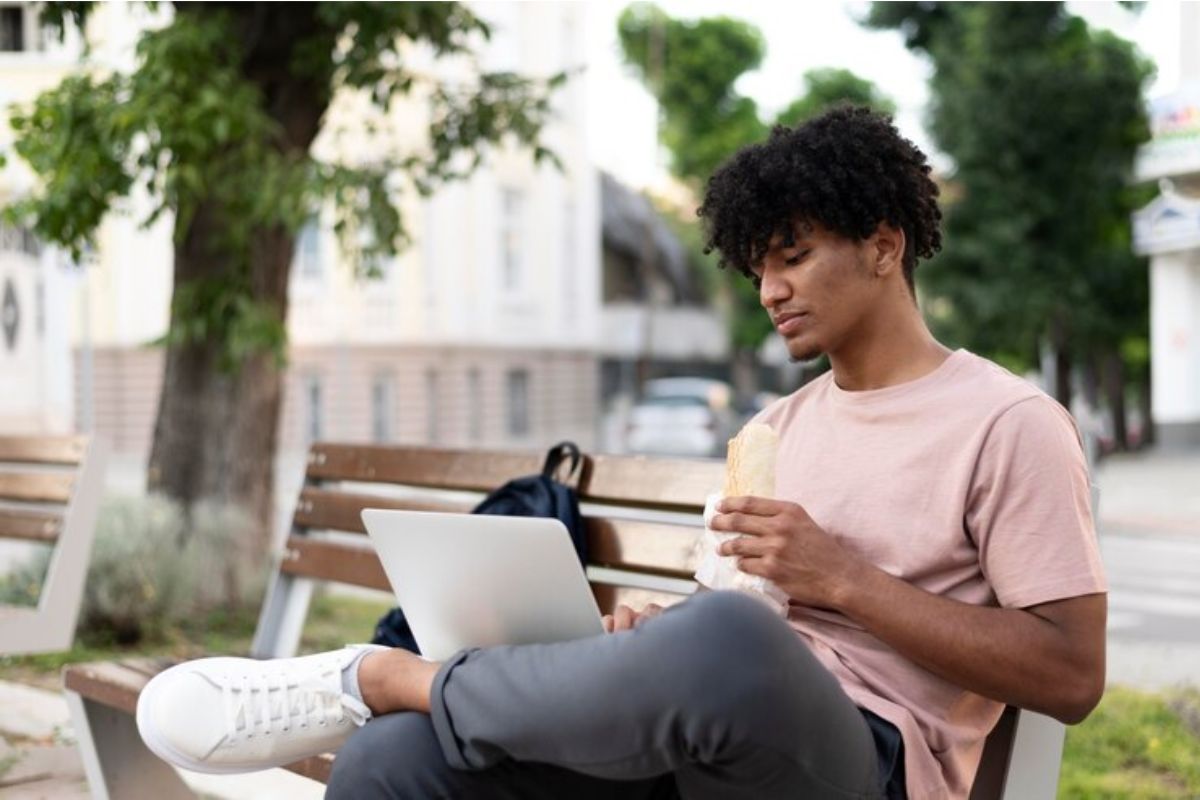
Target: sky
point(801, 36)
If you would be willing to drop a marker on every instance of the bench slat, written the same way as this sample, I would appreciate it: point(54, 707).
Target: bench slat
point(677, 484)
point(42, 449)
point(668, 550)
point(463, 470)
point(110, 683)
point(334, 561)
point(327, 509)
point(36, 487)
point(647, 548)
point(681, 484)
point(317, 768)
point(617, 543)
point(36, 526)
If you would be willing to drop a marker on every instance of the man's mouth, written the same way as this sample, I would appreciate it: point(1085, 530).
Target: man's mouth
point(789, 322)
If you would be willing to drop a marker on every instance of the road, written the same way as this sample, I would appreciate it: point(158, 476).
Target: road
point(1154, 609)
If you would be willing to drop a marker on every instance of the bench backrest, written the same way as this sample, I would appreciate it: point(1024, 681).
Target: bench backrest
point(643, 517)
point(50, 489)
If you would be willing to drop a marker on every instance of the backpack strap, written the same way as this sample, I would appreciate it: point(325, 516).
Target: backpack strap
point(559, 453)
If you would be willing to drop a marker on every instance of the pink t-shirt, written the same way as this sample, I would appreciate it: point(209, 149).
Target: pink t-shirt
point(968, 482)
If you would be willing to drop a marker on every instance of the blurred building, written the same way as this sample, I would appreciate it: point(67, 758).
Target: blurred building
point(656, 318)
point(1168, 230)
point(483, 332)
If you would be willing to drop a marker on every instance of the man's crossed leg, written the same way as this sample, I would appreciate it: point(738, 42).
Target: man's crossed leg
point(716, 697)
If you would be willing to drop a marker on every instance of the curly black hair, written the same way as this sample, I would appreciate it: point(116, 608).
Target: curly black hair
point(848, 170)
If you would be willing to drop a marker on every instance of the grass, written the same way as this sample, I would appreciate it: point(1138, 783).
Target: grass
point(332, 622)
point(1134, 746)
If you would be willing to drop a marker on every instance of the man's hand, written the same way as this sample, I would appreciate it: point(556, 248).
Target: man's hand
point(781, 543)
point(625, 618)
point(1047, 658)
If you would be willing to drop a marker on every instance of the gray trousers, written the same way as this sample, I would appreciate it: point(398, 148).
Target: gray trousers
point(715, 698)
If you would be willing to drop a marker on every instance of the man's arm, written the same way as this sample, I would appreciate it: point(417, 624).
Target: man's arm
point(1047, 658)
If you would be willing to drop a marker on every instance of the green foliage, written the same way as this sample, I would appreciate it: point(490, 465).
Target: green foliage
point(155, 571)
point(203, 127)
point(691, 66)
point(824, 88)
point(1042, 116)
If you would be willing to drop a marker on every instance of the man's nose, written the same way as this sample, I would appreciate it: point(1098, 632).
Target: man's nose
point(773, 290)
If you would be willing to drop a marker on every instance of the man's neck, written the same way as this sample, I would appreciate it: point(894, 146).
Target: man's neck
point(897, 348)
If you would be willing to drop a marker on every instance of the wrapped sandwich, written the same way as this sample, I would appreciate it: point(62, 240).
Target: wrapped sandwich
point(749, 471)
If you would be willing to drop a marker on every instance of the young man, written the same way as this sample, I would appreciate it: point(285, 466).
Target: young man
point(932, 531)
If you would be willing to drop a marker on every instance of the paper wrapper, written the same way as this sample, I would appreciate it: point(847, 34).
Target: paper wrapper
point(750, 470)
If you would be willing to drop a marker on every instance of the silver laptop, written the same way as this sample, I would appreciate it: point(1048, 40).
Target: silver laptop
point(475, 580)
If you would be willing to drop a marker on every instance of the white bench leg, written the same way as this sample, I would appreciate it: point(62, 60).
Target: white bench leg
point(1036, 758)
point(117, 764)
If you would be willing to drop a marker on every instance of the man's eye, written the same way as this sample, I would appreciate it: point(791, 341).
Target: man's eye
point(756, 281)
point(796, 259)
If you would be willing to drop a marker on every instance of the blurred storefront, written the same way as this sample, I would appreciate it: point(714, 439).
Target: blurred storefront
point(1168, 231)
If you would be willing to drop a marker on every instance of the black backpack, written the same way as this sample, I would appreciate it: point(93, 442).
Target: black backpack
point(531, 496)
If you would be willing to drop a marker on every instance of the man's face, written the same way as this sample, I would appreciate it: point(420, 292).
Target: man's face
point(817, 289)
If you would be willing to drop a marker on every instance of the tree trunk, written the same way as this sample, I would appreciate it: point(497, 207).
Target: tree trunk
point(216, 430)
point(1144, 399)
point(1092, 368)
point(1062, 362)
point(215, 435)
point(1114, 391)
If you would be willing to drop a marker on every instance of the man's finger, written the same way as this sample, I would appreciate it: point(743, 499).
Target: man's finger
point(747, 524)
point(749, 504)
point(651, 611)
point(623, 618)
point(607, 619)
point(752, 565)
point(744, 546)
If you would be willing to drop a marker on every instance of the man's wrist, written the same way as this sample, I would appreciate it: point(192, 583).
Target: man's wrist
point(853, 585)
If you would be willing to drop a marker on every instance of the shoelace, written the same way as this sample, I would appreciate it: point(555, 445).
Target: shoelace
point(296, 701)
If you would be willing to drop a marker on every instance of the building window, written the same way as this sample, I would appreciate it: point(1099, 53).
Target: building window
point(474, 405)
point(381, 407)
point(432, 417)
point(518, 402)
point(19, 240)
point(12, 29)
point(308, 250)
point(512, 212)
point(312, 392)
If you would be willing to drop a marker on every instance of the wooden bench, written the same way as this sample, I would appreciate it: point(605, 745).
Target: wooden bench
point(50, 489)
point(642, 517)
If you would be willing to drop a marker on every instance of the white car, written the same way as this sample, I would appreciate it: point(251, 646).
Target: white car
point(681, 417)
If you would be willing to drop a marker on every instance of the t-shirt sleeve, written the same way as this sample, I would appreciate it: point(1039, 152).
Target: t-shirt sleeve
point(1029, 508)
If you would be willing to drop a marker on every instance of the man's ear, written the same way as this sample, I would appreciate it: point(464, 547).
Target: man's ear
point(886, 252)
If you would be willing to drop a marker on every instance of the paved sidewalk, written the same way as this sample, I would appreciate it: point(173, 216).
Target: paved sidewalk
point(1152, 494)
point(39, 759)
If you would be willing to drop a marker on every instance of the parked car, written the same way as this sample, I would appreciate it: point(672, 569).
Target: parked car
point(681, 417)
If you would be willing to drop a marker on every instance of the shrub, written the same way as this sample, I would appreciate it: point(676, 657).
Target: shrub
point(155, 570)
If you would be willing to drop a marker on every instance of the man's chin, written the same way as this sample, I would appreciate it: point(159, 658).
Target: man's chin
point(802, 354)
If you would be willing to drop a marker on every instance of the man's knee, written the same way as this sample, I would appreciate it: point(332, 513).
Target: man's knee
point(732, 625)
point(394, 755)
point(731, 641)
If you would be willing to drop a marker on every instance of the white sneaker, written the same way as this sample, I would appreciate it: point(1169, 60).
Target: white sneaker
point(228, 715)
